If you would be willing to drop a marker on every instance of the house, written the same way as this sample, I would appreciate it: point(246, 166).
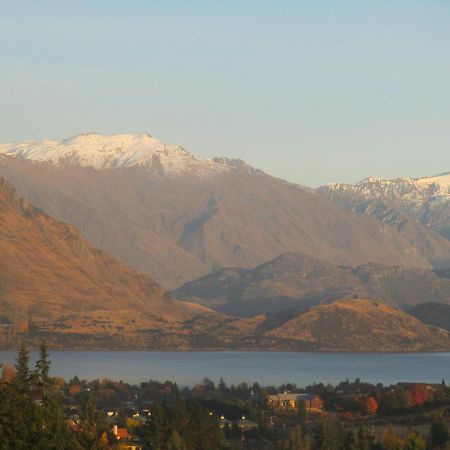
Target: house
point(245, 424)
point(224, 423)
point(120, 439)
point(291, 402)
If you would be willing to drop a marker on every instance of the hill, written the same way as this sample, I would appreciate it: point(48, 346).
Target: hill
point(55, 285)
point(160, 210)
point(296, 282)
point(361, 325)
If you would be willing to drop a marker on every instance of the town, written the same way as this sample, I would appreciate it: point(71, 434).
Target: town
point(39, 411)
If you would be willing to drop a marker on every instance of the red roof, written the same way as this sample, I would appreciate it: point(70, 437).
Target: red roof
point(122, 433)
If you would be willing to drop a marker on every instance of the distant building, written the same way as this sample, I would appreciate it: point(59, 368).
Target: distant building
point(245, 424)
point(119, 438)
point(291, 402)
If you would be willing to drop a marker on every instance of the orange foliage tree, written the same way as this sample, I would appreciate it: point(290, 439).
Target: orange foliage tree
point(420, 394)
point(371, 405)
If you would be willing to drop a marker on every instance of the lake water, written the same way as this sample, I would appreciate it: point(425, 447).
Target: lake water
point(267, 368)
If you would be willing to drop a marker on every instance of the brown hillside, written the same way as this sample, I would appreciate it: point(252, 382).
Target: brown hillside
point(362, 325)
point(53, 281)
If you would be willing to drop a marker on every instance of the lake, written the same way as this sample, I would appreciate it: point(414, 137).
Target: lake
point(266, 368)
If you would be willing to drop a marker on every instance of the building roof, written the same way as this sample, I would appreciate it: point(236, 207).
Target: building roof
point(292, 397)
point(122, 433)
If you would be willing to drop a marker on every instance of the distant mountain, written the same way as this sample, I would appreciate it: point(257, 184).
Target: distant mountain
point(55, 285)
point(361, 325)
point(160, 210)
point(404, 202)
point(296, 282)
point(436, 314)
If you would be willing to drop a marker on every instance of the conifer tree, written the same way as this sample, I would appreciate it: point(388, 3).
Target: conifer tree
point(350, 441)
point(296, 440)
point(325, 438)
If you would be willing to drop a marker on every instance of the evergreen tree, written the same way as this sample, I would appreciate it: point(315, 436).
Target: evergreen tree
point(439, 433)
point(87, 437)
point(350, 442)
point(22, 380)
point(176, 442)
point(302, 413)
point(296, 440)
point(364, 440)
point(325, 437)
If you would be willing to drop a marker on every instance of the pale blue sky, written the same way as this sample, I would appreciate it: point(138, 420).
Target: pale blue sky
point(309, 91)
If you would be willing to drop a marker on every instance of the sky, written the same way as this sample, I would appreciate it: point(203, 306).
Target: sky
point(313, 92)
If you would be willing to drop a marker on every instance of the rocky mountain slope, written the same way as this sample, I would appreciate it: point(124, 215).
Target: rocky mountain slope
point(54, 284)
point(296, 282)
point(402, 202)
point(160, 210)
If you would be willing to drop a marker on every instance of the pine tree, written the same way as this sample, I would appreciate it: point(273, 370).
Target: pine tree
point(439, 433)
point(302, 413)
point(22, 380)
point(176, 442)
point(296, 440)
point(350, 441)
point(87, 437)
point(325, 438)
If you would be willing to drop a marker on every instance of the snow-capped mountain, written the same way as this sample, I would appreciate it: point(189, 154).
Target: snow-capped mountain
point(426, 200)
point(121, 150)
point(180, 217)
point(400, 189)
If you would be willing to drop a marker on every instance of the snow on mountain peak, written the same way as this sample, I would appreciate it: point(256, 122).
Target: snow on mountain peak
point(107, 152)
point(405, 189)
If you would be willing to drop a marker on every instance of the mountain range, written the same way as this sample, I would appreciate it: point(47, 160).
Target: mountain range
point(252, 261)
point(160, 210)
point(412, 206)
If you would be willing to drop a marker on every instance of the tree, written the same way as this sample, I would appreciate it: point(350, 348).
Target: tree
point(87, 436)
point(439, 434)
point(364, 439)
point(296, 440)
point(419, 394)
point(43, 366)
point(390, 440)
point(22, 380)
point(176, 442)
point(302, 413)
point(371, 405)
point(350, 442)
point(325, 438)
point(414, 441)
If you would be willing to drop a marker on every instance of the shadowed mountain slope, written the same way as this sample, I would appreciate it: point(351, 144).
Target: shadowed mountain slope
point(435, 314)
point(296, 282)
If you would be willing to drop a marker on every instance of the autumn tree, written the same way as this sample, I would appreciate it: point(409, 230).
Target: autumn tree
point(390, 440)
point(371, 405)
point(414, 441)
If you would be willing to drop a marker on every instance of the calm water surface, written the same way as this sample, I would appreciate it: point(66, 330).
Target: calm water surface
point(267, 368)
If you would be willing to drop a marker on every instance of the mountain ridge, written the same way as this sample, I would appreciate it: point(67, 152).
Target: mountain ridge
point(179, 226)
